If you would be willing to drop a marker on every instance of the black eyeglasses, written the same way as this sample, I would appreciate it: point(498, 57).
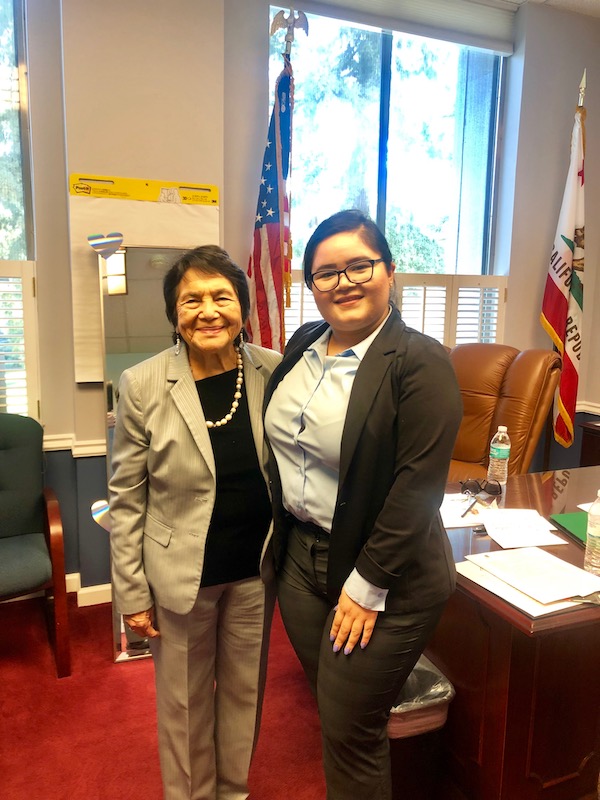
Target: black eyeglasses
point(473, 487)
point(359, 272)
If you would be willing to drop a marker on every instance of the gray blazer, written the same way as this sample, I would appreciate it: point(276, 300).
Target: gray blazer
point(163, 485)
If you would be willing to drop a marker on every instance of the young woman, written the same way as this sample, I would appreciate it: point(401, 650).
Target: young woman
point(362, 416)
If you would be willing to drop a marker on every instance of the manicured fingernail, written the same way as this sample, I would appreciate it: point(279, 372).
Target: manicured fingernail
point(347, 651)
point(336, 648)
point(363, 645)
point(331, 637)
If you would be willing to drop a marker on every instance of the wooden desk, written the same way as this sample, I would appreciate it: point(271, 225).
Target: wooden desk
point(590, 444)
point(525, 722)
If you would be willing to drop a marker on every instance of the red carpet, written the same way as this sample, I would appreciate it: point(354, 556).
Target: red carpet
point(92, 736)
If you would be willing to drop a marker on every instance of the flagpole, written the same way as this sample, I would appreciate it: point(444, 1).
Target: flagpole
point(289, 23)
point(269, 266)
point(292, 21)
point(582, 86)
point(581, 108)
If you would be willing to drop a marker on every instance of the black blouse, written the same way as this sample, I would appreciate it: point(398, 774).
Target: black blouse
point(242, 511)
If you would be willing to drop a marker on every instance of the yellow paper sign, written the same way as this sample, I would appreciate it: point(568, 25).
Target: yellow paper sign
point(114, 188)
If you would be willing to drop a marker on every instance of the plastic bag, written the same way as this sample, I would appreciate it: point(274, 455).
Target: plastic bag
point(422, 705)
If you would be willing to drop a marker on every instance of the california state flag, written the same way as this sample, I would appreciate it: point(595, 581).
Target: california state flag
point(562, 307)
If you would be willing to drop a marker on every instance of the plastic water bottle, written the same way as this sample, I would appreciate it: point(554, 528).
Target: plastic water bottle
point(499, 456)
point(591, 562)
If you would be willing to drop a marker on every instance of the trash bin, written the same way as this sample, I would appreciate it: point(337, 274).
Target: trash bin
point(414, 730)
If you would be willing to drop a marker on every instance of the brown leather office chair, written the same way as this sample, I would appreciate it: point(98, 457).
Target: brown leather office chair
point(501, 385)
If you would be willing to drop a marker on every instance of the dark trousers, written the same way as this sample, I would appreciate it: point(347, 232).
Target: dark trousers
point(354, 693)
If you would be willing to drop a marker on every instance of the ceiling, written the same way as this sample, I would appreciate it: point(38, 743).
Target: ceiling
point(589, 7)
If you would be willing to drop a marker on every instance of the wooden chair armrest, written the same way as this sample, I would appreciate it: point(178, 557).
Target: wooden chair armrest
point(53, 531)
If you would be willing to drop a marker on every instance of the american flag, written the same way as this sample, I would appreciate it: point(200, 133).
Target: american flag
point(562, 306)
point(269, 266)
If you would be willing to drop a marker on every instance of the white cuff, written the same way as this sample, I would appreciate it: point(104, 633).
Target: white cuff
point(366, 594)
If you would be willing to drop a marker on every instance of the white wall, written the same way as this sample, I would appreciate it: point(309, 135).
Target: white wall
point(144, 88)
point(247, 106)
point(144, 95)
point(552, 50)
point(50, 213)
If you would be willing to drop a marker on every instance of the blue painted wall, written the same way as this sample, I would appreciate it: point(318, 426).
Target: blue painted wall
point(560, 457)
point(78, 482)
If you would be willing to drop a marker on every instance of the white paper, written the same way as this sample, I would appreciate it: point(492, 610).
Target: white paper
point(455, 505)
point(585, 506)
point(518, 527)
point(538, 574)
point(513, 596)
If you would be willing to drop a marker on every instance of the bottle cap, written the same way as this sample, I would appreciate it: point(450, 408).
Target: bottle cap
point(502, 428)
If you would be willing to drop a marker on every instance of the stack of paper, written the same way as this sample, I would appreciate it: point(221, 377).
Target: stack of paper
point(530, 574)
point(509, 527)
point(509, 593)
point(519, 527)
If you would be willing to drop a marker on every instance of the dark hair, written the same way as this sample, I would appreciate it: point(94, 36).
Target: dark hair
point(344, 222)
point(211, 260)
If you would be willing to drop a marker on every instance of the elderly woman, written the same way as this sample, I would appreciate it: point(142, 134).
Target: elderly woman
point(190, 519)
point(362, 418)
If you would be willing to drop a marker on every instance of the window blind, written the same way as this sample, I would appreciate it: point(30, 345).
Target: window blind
point(18, 340)
point(490, 26)
point(303, 307)
point(453, 309)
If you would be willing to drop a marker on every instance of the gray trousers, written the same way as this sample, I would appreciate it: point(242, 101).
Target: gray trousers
point(356, 692)
point(210, 668)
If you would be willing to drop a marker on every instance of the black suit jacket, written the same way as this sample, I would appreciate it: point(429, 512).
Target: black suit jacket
point(402, 420)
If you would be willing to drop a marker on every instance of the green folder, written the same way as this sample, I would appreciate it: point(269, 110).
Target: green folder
point(574, 523)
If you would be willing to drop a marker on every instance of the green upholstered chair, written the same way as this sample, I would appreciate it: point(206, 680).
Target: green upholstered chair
point(31, 534)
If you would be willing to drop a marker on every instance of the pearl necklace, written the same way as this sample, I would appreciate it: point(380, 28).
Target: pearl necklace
point(236, 397)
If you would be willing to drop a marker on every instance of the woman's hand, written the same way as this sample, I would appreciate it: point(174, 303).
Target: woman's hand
point(351, 624)
point(142, 623)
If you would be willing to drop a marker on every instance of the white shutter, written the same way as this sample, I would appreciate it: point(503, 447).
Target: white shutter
point(303, 307)
point(18, 339)
point(453, 309)
point(479, 314)
point(424, 306)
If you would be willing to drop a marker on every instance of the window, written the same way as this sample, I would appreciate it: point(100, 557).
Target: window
point(13, 201)
point(18, 338)
point(404, 128)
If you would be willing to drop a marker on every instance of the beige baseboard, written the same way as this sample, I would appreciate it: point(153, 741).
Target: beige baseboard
point(73, 581)
point(88, 595)
point(94, 595)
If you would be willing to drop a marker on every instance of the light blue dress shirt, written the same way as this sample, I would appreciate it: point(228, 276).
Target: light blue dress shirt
point(304, 423)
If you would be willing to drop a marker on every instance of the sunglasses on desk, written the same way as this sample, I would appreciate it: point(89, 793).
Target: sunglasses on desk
point(474, 487)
